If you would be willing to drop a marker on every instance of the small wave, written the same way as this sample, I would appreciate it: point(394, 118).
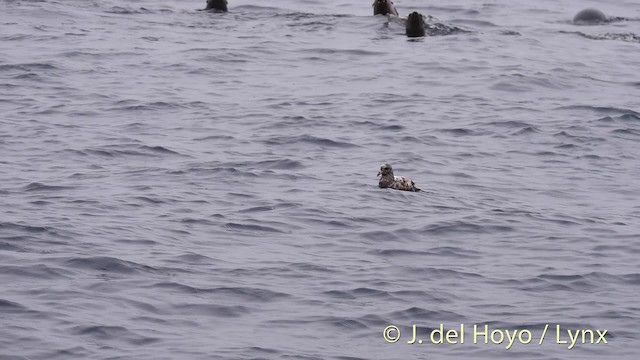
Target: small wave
point(423, 314)
point(391, 127)
point(280, 164)
point(132, 105)
point(527, 131)
point(215, 310)
point(129, 11)
point(159, 149)
point(35, 187)
point(389, 253)
point(626, 131)
point(359, 293)
point(630, 279)
point(82, 54)
point(198, 221)
point(29, 76)
point(459, 132)
point(480, 23)
point(109, 265)
point(440, 29)
point(233, 293)
point(379, 235)
point(128, 150)
point(39, 271)
point(7, 306)
point(227, 172)
point(626, 37)
point(405, 140)
point(5, 246)
point(258, 209)
point(329, 224)
point(351, 52)
point(308, 139)
point(578, 282)
point(629, 117)
point(215, 137)
point(447, 273)
point(455, 9)
point(445, 251)
point(193, 258)
point(521, 83)
point(150, 200)
point(464, 227)
point(258, 8)
point(252, 228)
point(601, 109)
point(28, 228)
point(312, 22)
point(98, 152)
point(76, 352)
point(581, 139)
point(265, 353)
point(509, 124)
point(566, 146)
point(28, 67)
point(343, 323)
point(120, 333)
point(311, 268)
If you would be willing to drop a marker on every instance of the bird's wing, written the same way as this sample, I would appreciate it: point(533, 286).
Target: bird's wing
point(403, 183)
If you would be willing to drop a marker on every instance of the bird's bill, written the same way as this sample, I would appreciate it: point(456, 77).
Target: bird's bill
point(379, 173)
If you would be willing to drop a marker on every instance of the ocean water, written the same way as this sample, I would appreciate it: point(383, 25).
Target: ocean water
point(179, 184)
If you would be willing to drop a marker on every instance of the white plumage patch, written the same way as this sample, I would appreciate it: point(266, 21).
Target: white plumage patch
point(403, 183)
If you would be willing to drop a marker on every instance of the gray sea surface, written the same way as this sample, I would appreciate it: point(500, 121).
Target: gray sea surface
point(181, 184)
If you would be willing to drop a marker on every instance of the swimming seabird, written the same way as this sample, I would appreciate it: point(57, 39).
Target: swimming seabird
point(384, 7)
point(415, 25)
point(388, 180)
point(217, 5)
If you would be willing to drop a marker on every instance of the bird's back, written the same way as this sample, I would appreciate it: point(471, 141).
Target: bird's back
point(404, 183)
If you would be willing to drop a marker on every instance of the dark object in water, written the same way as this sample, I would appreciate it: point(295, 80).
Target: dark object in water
point(217, 5)
point(384, 7)
point(415, 25)
point(388, 180)
point(590, 16)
